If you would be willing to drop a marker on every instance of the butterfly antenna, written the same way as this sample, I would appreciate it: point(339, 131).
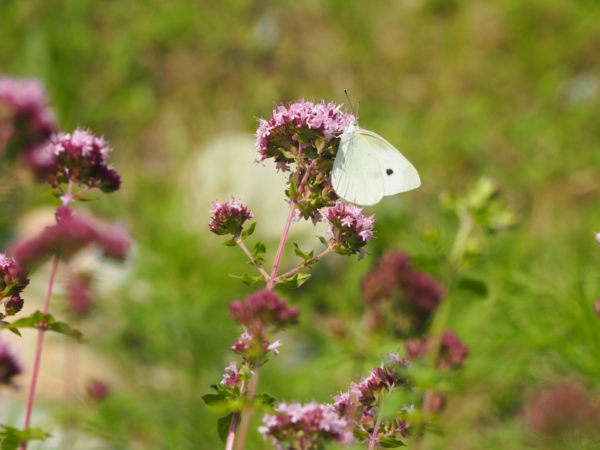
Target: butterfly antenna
point(357, 108)
point(349, 101)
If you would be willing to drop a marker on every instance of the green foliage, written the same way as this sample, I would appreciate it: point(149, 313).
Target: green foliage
point(258, 250)
point(248, 279)
point(223, 425)
point(296, 280)
point(247, 233)
point(11, 438)
point(43, 321)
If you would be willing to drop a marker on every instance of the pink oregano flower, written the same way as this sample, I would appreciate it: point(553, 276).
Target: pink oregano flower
point(303, 427)
point(79, 157)
point(350, 228)
point(228, 218)
point(452, 352)
point(299, 123)
point(71, 233)
point(10, 366)
point(25, 119)
point(13, 279)
point(305, 134)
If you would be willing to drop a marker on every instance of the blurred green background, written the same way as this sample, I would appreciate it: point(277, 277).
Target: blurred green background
point(508, 89)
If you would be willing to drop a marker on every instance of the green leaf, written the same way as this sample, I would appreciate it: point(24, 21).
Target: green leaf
point(40, 320)
point(230, 243)
point(287, 154)
point(67, 330)
point(12, 437)
point(343, 250)
point(361, 435)
point(296, 280)
point(34, 434)
point(473, 285)
point(87, 199)
point(223, 426)
point(266, 399)
point(214, 399)
point(434, 429)
point(10, 443)
point(293, 190)
point(323, 240)
point(248, 232)
point(393, 402)
point(259, 249)
point(389, 442)
point(305, 256)
point(14, 330)
point(320, 145)
point(247, 279)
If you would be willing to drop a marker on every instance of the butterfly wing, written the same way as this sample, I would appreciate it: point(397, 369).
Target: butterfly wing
point(356, 174)
point(398, 174)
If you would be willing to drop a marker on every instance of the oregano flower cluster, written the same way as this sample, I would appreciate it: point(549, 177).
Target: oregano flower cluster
point(394, 284)
point(10, 366)
point(228, 218)
point(13, 279)
point(72, 232)
point(26, 121)
point(451, 355)
point(306, 135)
point(78, 157)
point(362, 402)
point(294, 426)
point(350, 228)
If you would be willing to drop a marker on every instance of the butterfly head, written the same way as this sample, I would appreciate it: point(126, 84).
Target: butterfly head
point(351, 128)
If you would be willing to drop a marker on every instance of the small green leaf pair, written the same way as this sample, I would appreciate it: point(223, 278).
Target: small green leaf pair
point(12, 438)
point(43, 321)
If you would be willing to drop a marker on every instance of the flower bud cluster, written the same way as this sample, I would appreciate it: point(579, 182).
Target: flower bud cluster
point(302, 427)
point(13, 279)
point(9, 364)
point(25, 119)
point(362, 402)
point(97, 389)
point(350, 228)
point(78, 292)
point(228, 218)
point(413, 294)
point(266, 307)
point(562, 409)
point(451, 355)
point(252, 345)
point(232, 377)
point(71, 233)
point(306, 134)
point(79, 157)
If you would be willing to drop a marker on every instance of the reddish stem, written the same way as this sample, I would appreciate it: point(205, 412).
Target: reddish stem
point(235, 420)
point(232, 430)
point(247, 413)
point(38, 350)
point(373, 438)
point(286, 229)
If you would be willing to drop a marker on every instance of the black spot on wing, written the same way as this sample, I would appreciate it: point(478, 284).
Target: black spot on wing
point(389, 171)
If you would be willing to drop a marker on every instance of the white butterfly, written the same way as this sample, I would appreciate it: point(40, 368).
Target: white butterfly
point(367, 167)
